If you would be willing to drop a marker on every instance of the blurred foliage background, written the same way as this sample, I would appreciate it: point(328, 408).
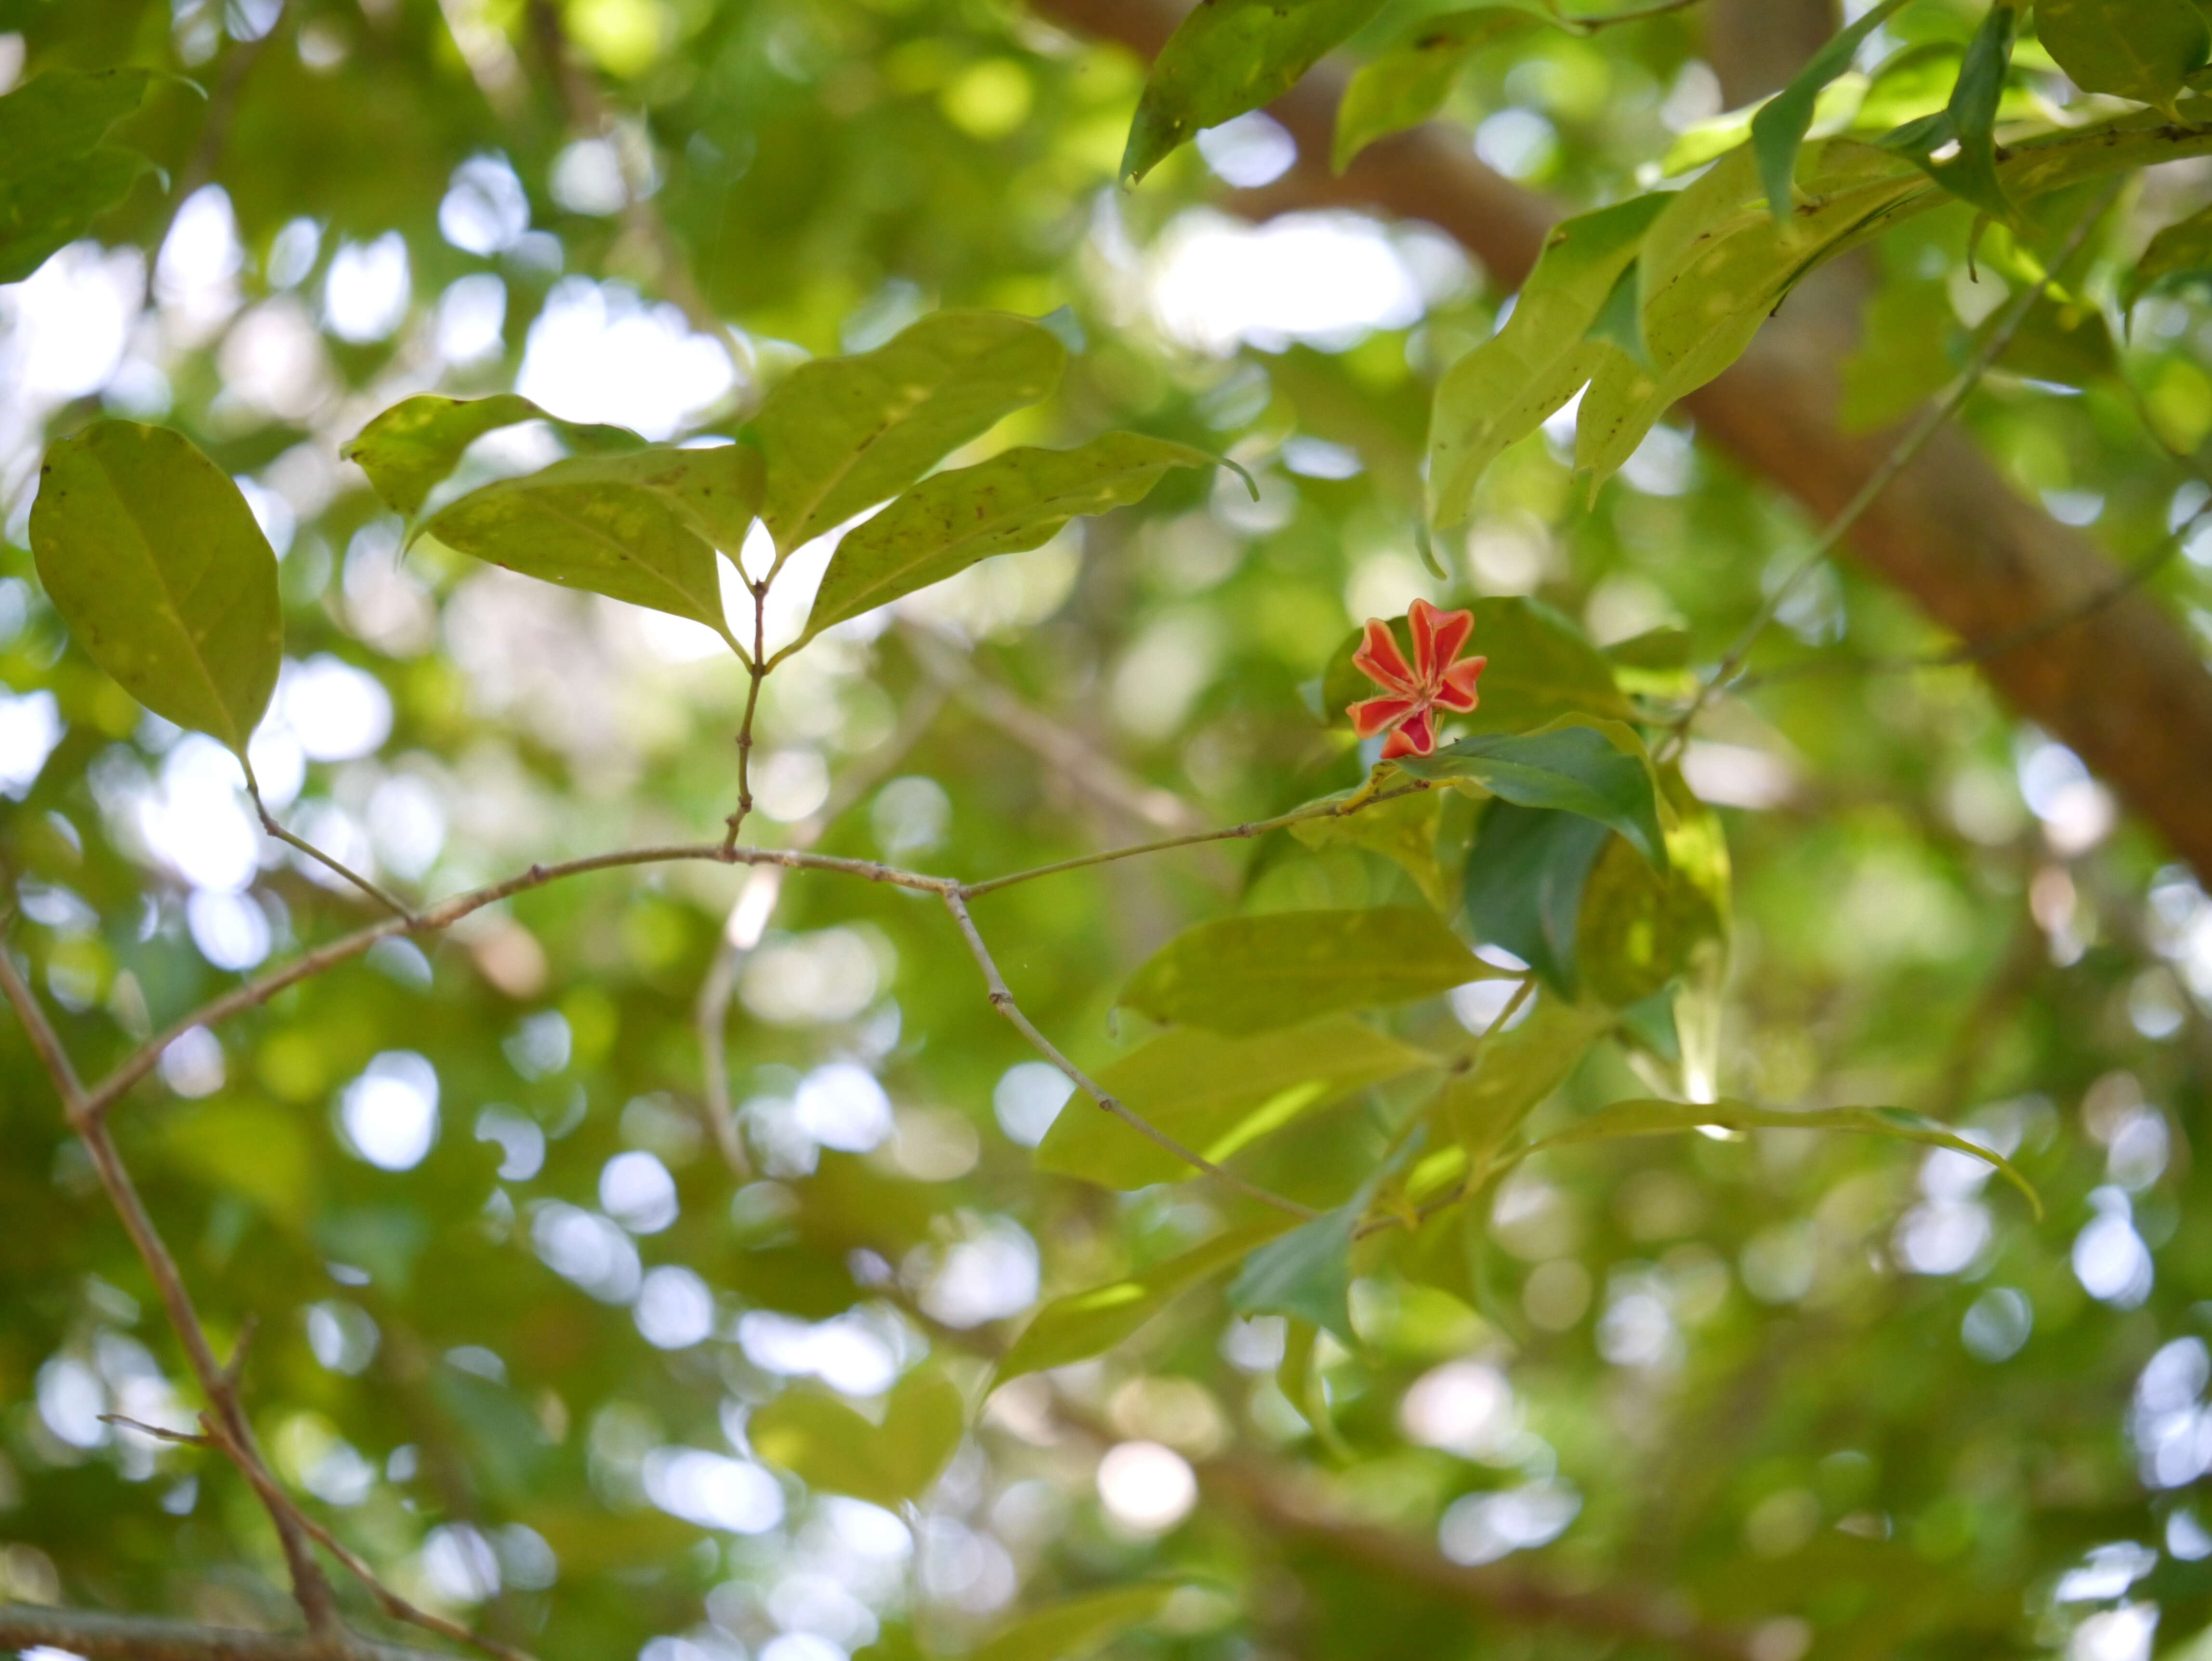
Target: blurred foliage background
point(1775, 1395)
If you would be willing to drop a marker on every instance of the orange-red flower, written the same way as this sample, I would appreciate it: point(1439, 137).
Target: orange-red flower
point(1437, 680)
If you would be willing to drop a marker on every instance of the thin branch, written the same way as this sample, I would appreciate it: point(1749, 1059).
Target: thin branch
point(99, 1635)
point(757, 668)
point(1635, 15)
point(1930, 421)
point(1003, 1001)
point(269, 823)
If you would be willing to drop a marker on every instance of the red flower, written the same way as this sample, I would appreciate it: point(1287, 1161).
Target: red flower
point(1434, 680)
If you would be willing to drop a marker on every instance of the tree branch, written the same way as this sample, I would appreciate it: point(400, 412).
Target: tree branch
point(2126, 690)
point(99, 1635)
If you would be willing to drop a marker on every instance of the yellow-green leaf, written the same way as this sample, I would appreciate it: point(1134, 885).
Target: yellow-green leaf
point(1513, 1073)
point(1403, 830)
point(2138, 49)
point(1076, 1626)
point(1403, 87)
point(245, 1147)
point(1218, 1095)
point(1245, 974)
point(414, 447)
point(841, 434)
point(811, 1432)
point(154, 561)
point(2184, 245)
point(1016, 500)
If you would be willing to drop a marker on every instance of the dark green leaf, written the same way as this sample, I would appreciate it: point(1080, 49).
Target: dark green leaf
point(1601, 774)
point(1503, 390)
point(633, 528)
point(56, 174)
point(1781, 123)
point(841, 434)
point(414, 447)
point(1226, 57)
point(1244, 974)
point(2138, 49)
point(1306, 1275)
point(1969, 119)
point(1403, 87)
point(1542, 666)
point(812, 1433)
point(1087, 1323)
point(1076, 1626)
point(1014, 501)
point(2067, 343)
point(2185, 246)
point(1524, 885)
point(1218, 1095)
point(1658, 1118)
point(154, 561)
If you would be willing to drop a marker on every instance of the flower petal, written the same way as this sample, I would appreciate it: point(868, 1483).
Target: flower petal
point(1448, 637)
point(1457, 691)
point(1379, 714)
point(1379, 659)
point(1416, 737)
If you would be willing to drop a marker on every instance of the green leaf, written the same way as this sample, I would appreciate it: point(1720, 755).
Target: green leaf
point(2185, 246)
point(812, 1433)
point(1306, 1275)
point(1403, 830)
point(1245, 974)
point(1969, 119)
point(1619, 322)
point(1781, 123)
point(1599, 773)
point(56, 175)
point(414, 447)
point(1639, 928)
point(635, 527)
point(248, 1148)
point(1228, 57)
point(1505, 388)
point(841, 434)
point(1513, 1073)
point(1076, 1626)
point(2066, 343)
point(154, 561)
point(1218, 1095)
point(1659, 1118)
point(2138, 49)
point(1087, 1323)
point(1542, 666)
point(1017, 500)
point(1408, 84)
point(1525, 876)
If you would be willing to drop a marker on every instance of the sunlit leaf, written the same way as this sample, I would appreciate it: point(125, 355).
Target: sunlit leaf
point(154, 560)
point(1226, 57)
point(1513, 1073)
point(1597, 771)
point(1408, 84)
point(1017, 500)
point(57, 173)
point(1403, 830)
point(1244, 974)
point(1659, 1118)
point(811, 1432)
point(840, 435)
point(1218, 1095)
point(415, 446)
point(2138, 49)
point(1503, 390)
point(1542, 666)
point(1087, 1323)
point(1782, 121)
point(631, 527)
point(1076, 1626)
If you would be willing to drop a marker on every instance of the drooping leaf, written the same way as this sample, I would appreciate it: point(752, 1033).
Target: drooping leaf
point(1408, 84)
point(2185, 246)
point(1504, 389)
point(414, 447)
point(1228, 57)
point(2138, 49)
point(1542, 666)
point(841, 434)
point(632, 527)
point(1512, 1074)
point(1087, 1323)
point(57, 173)
point(1782, 121)
point(154, 560)
point(1969, 120)
point(1218, 1095)
point(1525, 875)
point(1017, 500)
point(2066, 343)
point(1255, 974)
point(1660, 1118)
point(1075, 1627)
point(1306, 1275)
point(811, 1432)
point(1597, 771)
point(1403, 830)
